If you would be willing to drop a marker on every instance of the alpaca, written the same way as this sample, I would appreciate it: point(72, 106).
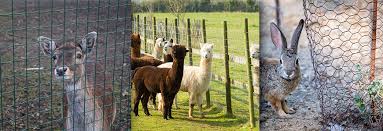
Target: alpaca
point(166, 51)
point(150, 79)
point(158, 47)
point(196, 79)
point(144, 61)
point(136, 47)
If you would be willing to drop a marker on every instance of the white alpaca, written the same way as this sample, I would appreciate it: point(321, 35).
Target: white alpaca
point(254, 51)
point(195, 79)
point(158, 47)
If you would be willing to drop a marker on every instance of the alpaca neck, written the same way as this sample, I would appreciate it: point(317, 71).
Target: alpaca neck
point(136, 52)
point(80, 103)
point(205, 65)
point(177, 71)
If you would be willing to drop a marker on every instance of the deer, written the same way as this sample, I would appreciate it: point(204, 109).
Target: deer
point(86, 107)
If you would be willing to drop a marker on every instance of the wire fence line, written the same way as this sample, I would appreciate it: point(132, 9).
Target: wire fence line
point(31, 96)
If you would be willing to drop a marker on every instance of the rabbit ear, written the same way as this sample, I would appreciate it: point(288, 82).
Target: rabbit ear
point(296, 35)
point(277, 36)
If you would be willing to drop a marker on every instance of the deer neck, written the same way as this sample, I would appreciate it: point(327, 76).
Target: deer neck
point(82, 111)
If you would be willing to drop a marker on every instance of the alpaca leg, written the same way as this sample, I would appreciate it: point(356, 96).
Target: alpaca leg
point(191, 104)
point(153, 99)
point(137, 101)
point(199, 102)
point(160, 103)
point(286, 108)
point(166, 104)
point(144, 102)
point(171, 104)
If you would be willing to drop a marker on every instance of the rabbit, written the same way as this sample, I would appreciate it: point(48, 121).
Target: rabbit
point(281, 76)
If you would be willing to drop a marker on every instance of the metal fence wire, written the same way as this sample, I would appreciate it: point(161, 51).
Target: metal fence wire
point(346, 47)
point(33, 97)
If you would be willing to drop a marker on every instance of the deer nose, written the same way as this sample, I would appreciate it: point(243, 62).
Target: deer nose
point(60, 71)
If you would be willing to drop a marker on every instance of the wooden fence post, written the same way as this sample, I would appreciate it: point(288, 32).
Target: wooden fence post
point(250, 74)
point(177, 31)
point(145, 38)
point(229, 111)
point(166, 28)
point(189, 44)
point(138, 24)
point(208, 104)
point(154, 29)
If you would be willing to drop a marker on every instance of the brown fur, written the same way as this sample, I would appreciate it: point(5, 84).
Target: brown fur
point(136, 47)
point(144, 61)
point(167, 81)
point(168, 58)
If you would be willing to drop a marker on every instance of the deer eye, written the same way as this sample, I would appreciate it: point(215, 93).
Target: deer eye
point(78, 56)
point(54, 57)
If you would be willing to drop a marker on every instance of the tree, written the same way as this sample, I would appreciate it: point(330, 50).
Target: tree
point(177, 7)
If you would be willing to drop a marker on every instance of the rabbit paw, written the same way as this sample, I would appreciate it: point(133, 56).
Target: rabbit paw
point(290, 111)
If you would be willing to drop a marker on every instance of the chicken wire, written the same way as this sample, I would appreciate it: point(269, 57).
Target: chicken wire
point(347, 55)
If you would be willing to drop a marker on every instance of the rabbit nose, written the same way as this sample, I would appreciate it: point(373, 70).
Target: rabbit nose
point(60, 71)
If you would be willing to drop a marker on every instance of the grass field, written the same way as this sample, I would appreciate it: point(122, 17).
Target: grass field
point(215, 115)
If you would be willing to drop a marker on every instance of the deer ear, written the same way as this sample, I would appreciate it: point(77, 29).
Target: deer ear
point(47, 45)
point(88, 42)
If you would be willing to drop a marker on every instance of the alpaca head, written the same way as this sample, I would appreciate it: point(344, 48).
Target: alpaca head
point(168, 45)
point(179, 52)
point(160, 42)
point(254, 51)
point(136, 40)
point(206, 51)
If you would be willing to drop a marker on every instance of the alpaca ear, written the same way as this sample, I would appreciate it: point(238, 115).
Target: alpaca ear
point(200, 45)
point(163, 39)
point(187, 50)
point(88, 42)
point(171, 40)
point(47, 44)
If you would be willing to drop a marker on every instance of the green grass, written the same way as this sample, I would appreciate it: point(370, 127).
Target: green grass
point(214, 28)
point(215, 116)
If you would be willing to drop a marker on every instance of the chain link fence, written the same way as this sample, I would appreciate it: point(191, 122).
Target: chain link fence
point(346, 47)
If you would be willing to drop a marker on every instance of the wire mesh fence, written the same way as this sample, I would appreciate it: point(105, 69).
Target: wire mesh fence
point(34, 96)
point(346, 46)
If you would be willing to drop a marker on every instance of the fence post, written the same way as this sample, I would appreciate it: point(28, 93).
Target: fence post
point(373, 106)
point(250, 74)
point(229, 111)
point(208, 104)
point(189, 44)
point(166, 28)
point(177, 31)
point(154, 29)
point(145, 41)
point(138, 24)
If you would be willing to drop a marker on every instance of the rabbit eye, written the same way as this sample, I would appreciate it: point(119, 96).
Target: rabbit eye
point(54, 57)
point(280, 61)
point(296, 62)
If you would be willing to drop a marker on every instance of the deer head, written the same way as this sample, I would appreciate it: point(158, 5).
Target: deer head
point(68, 57)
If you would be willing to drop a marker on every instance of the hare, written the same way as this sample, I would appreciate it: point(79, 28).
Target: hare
point(281, 76)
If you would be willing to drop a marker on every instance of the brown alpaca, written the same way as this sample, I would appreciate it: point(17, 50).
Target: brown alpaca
point(144, 61)
point(167, 81)
point(136, 47)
